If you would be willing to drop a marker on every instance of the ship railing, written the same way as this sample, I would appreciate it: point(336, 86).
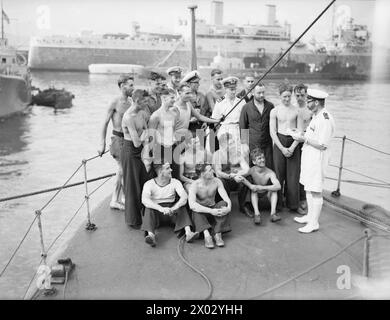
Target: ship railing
point(375, 182)
point(38, 213)
point(87, 196)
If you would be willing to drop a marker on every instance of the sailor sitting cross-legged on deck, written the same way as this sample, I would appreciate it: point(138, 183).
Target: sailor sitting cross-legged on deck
point(206, 213)
point(159, 198)
point(264, 183)
point(230, 165)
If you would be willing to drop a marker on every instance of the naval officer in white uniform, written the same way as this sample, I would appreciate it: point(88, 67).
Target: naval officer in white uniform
point(315, 157)
point(228, 110)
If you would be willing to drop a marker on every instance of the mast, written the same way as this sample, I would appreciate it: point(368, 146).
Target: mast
point(2, 21)
point(193, 46)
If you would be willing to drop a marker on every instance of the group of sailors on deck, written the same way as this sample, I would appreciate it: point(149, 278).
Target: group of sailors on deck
point(181, 153)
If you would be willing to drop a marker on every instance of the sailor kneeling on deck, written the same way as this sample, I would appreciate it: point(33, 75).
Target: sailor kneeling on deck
point(159, 198)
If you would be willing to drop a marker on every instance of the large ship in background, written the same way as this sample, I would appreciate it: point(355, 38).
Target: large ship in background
point(257, 46)
point(15, 80)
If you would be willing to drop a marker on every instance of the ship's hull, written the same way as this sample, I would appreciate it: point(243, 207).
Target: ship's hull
point(79, 58)
point(15, 95)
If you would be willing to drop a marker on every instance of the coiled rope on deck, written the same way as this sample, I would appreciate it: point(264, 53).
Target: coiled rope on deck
point(180, 250)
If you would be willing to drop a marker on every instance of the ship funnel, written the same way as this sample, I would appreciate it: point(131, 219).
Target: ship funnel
point(217, 12)
point(271, 15)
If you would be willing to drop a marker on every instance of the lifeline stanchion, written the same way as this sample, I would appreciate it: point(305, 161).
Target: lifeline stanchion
point(337, 193)
point(366, 252)
point(90, 226)
point(38, 213)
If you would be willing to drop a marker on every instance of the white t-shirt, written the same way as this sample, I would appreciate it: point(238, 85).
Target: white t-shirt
point(159, 194)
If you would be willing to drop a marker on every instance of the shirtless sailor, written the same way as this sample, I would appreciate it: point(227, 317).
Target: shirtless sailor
point(134, 125)
point(194, 154)
point(207, 214)
point(264, 183)
point(162, 124)
point(283, 120)
point(115, 114)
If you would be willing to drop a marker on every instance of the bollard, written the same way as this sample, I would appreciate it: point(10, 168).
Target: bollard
point(89, 226)
point(337, 193)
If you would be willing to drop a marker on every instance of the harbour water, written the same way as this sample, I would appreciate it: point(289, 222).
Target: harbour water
point(41, 150)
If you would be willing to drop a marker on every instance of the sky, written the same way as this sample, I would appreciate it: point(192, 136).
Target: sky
point(102, 16)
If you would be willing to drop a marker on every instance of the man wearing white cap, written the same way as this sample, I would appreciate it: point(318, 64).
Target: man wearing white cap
point(315, 157)
point(228, 110)
point(175, 77)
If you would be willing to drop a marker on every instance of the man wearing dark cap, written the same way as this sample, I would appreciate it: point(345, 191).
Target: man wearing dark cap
point(315, 157)
point(215, 94)
point(164, 85)
point(154, 92)
point(198, 98)
point(115, 114)
point(175, 77)
point(249, 81)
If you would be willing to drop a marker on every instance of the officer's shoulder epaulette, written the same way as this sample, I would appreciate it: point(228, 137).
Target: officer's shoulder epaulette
point(326, 116)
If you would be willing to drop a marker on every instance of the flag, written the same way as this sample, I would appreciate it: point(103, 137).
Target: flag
point(5, 17)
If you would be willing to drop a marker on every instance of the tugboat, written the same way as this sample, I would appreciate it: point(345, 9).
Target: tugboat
point(52, 97)
point(15, 78)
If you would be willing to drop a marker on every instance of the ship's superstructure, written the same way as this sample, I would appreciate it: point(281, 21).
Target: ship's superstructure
point(350, 42)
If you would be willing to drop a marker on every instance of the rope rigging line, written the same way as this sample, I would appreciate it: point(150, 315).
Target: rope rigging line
point(108, 178)
point(98, 156)
point(17, 248)
point(60, 234)
point(56, 188)
point(361, 174)
point(368, 147)
point(309, 269)
point(66, 226)
point(363, 183)
point(59, 190)
point(180, 250)
point(275, 63)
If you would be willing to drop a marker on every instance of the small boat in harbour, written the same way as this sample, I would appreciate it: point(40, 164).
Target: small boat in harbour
point(115, 68)
point(52, 97)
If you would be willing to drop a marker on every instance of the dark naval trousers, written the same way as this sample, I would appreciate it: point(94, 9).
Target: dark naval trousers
point(153, 218)
point(134, 177)
point(287, 171)
point(205, 221)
